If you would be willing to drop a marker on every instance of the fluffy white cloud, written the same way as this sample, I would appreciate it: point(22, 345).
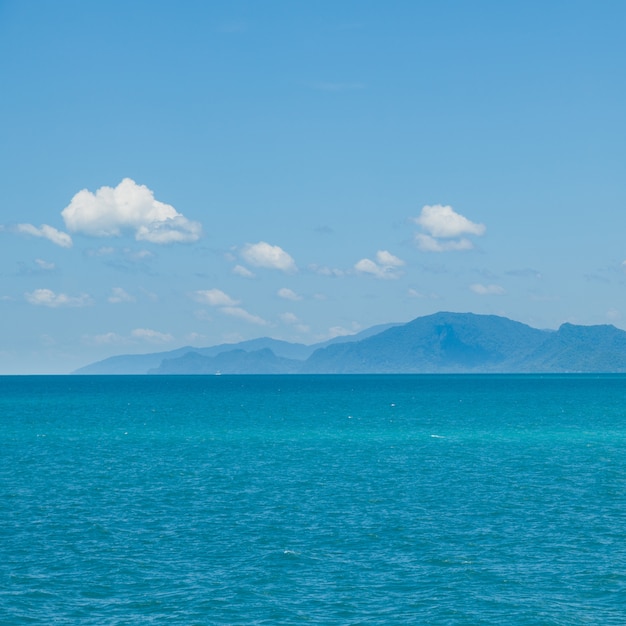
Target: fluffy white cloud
point(47, 297)
point(487, 290)
point(47, 232)
point(385, 266)
point(288, 294)
point(128, 207)
point(242, 314)
point(240, 270)
point(120, 295)
point(214, 297)
point(263, 254)
point(443, 222)
point(152, 336)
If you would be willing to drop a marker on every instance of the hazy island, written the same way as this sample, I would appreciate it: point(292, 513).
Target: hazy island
point(439, 343)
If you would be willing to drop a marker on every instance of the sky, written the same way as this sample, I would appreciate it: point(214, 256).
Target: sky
point(194, 173)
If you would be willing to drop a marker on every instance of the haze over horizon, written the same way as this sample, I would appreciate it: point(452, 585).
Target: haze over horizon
point(213, 172)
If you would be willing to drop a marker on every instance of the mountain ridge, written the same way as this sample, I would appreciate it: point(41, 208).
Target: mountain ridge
point(443, 342)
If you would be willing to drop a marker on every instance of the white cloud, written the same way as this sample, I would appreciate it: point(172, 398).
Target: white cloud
point(214, 297)
point(242, 314)
point(487, 290)
point(152, 336)
point(443, 222)
point(386, 259)
point(263, 254)
point(225, 304)
point(110, 211)
point(426, 243)
point(414, 293)
point(47, 297)
point(120, 295)
point(47, 232)
point(240, 270)
point(44, 265)
point(385, 266)
point(288, 294)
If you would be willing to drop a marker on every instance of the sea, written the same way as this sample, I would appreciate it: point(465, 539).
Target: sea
point(392, 499)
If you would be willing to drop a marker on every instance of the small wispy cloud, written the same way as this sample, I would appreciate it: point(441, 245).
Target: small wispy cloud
point(487, 290)
point(214, 297)
point(288, 294)
point(104, 339)
point(118, 295)
point(242, 314)
point(46, 266)
point(324, 270)
point(45, 231)
point(226, 305)
point(240, 270)
point(151, 336)
point(292, 320)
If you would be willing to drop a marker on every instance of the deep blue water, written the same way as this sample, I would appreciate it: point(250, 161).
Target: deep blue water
point(313, 499)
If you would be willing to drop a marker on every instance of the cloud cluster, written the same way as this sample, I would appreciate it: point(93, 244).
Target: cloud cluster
point(110, 211)
point(226, 305)
point(263, 254)
point(47, 232)
point(47, 297)
point(444, 229)
point(386, 265)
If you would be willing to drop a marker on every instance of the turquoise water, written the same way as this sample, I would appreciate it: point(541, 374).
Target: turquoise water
point(313, 499)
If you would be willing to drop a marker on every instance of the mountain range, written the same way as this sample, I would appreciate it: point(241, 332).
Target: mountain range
point(439, 343)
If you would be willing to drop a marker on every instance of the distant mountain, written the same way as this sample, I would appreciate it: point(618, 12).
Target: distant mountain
point(233, 362)
point(144, 363)
point(580, 349)
point(439, 343)
point(443, 342)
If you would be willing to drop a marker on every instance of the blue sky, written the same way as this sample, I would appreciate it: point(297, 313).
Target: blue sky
point(192, 173)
